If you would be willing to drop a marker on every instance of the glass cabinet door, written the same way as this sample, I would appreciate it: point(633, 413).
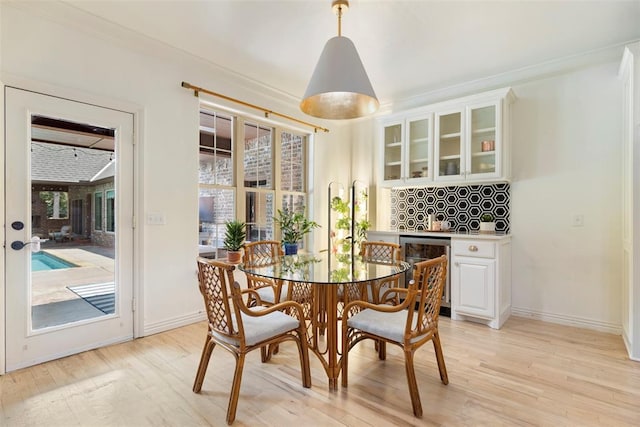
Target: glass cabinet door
point(419, 147)
point(484, 139)
point(392, 155)
point(449, 143)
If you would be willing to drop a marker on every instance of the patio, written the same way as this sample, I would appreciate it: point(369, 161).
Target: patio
point(52, 302)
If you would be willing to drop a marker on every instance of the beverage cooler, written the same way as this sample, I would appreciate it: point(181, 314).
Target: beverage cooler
point(416, 249)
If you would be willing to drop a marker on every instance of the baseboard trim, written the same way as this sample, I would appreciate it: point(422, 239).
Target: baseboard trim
point(69, 352)
point(564, 319)
point(176, 322)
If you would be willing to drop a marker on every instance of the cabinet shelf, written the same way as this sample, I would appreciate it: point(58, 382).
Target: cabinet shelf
point(450, 135)
point(423, 160)
point(398, 163)
point(453, 157)
point(419, 140)
point(484, 153)
point(393, 144)
point(484, 130)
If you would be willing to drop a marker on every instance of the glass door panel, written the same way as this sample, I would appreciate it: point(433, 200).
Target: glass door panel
point(483, 140)
point(393, 152)
point(419, 148)
point(449, 142)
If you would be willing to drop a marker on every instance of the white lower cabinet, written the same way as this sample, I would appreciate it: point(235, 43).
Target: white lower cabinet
point(481, 280)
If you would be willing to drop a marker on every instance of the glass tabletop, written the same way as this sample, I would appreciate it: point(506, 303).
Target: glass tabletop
point(324, 268)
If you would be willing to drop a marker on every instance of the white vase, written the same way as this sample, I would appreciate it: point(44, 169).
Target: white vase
point(487, 227)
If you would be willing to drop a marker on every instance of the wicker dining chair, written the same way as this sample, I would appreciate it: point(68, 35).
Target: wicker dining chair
point(408, 325)
point(240, 329)
point(261, 253)
point(382, 252)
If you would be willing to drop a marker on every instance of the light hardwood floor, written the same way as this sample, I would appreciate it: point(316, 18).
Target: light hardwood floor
point(528, 373)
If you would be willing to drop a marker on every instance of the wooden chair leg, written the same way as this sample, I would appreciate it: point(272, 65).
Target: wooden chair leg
point(204, 363)
point(382, 350)
point(345, 356)
point(440, 358)
point(413, 384)
point(305, 366)
point(265, 353)
point(235, 389)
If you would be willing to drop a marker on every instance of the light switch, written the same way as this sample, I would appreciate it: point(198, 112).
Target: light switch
point(155, 219)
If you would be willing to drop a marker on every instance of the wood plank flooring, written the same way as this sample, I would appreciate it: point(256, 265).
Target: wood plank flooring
point(528, 373)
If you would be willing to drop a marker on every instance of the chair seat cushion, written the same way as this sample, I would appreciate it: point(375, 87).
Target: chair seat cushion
point(386, 325)
point(267, 295)
point(261, 328)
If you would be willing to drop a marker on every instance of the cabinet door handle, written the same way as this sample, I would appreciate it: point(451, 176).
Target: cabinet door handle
point(457, 264)
point(473, 248)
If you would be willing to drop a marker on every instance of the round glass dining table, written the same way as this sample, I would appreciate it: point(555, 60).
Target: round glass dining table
point(324, 283)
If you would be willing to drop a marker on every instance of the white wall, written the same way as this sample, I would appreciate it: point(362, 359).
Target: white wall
point(567, 161)
point(100, 61)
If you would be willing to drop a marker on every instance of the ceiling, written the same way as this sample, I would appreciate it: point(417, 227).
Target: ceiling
point(407, 47)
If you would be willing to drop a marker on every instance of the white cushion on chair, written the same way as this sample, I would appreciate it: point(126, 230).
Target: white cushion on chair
point(258, 329)
point(386, 325)
point(267, 294)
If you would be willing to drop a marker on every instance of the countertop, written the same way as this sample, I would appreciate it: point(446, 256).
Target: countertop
point(465, 235)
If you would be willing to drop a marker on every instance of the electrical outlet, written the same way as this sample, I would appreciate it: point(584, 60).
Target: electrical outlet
point(577, 220)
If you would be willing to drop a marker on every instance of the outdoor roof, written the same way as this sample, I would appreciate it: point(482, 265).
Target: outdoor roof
point(63, 164)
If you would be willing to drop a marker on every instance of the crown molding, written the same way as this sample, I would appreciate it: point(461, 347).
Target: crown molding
point(510, 78)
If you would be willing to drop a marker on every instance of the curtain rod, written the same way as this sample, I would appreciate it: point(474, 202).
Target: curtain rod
point(267, 112)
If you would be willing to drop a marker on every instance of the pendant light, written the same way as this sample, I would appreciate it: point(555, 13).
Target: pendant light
point(339, 87)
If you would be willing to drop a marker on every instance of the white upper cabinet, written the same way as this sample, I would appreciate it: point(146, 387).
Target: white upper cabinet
point(450, 145)
point(393, 151)
point(459, 141)
point(407, 148)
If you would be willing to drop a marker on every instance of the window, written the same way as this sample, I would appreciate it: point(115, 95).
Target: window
point(293, 172)
point(111, 210)
point(258, 181)
point(217, 194)
point(57, 203)
point(97, 211)
point(248, 188)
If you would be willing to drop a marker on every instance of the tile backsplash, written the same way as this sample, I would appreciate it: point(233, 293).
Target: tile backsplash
point(462, 206)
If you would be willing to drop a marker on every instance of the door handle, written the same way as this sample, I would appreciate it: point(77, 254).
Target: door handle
point(35, 241)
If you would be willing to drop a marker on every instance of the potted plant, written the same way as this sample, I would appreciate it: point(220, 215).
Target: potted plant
point(234, 239)
point(293, 227)
point(487, 224)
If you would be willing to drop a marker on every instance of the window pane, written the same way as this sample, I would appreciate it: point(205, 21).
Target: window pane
point(216, 207)
point(111, 210)
point(258, 156)
point(292, 158)
point(259, 215)
point(97, 211)
point(57, 204)
point(216, 148)
point(294, 203)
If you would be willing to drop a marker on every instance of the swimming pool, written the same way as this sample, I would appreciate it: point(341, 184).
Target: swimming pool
point(42, 261)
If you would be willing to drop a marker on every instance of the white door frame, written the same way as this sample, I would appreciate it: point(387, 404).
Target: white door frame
point(138, 185)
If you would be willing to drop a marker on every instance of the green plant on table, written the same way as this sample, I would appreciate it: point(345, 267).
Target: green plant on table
point(235, 235)
point(293, 225)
